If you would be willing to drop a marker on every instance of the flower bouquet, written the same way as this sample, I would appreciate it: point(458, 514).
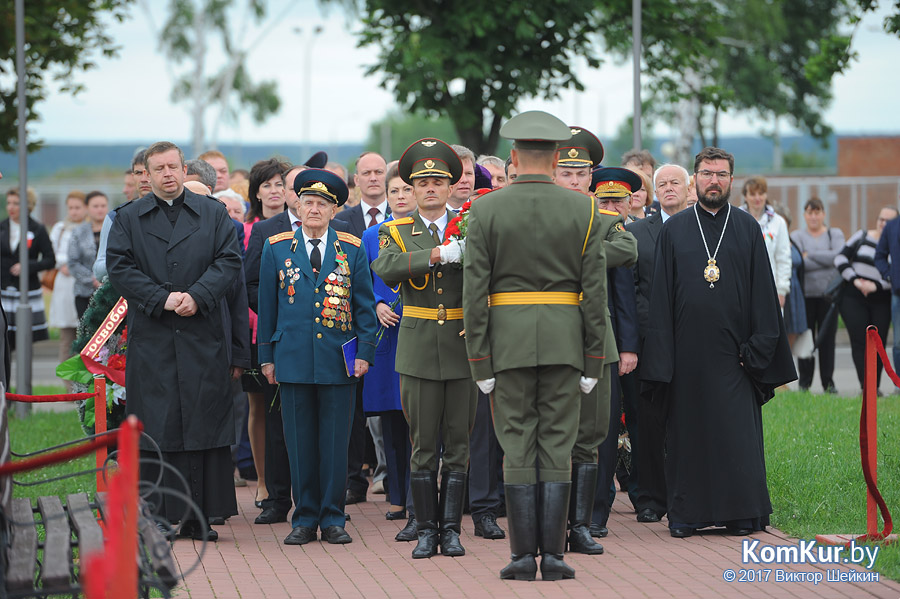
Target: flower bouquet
point(458, 227)
point(100, 348)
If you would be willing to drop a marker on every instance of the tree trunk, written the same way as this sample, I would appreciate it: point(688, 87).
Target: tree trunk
point(715, 127)
point(198, 85)
point(700, 129)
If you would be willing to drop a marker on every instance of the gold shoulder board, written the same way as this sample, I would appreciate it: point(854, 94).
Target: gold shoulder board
point(280, 237)
point(400, 221)
point(349, 238)
point(607, 212)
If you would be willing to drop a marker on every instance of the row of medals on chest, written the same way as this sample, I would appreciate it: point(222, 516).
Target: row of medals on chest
point(336, 312)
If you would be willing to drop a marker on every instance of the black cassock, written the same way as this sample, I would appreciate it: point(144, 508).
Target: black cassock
point(697, 341)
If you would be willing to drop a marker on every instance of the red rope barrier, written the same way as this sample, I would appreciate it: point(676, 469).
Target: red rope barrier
point(49, 398)
point(868, 447)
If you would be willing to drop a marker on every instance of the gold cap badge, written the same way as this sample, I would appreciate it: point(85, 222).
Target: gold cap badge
point(429, 164)
point(573, 153)
point(576, 131)
point(428, 144)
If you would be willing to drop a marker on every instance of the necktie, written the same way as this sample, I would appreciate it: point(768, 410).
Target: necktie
point(315, 256)
point(295, 225)
point(434, 233)
point(373, 214)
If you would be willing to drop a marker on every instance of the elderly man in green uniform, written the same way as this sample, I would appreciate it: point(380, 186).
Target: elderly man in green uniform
point(577, 156)
point(532, 249)
point(436, 391)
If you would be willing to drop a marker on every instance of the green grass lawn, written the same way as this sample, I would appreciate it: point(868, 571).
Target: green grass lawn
point(814, 467)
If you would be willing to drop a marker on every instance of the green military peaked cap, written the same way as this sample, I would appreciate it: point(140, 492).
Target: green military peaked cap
point(535, 129)
point(430, 157)
point(583, 149)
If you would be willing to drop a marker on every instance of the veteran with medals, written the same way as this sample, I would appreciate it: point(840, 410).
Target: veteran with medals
point(436, 390)
point(577, 156)
point(532, 249)
point(315, 297)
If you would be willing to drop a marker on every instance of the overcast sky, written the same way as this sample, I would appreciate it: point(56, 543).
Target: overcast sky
point(127, 98)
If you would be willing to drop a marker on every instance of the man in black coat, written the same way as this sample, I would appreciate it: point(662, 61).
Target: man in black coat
point(278, 473)
point(174, 256)
point(648, 452)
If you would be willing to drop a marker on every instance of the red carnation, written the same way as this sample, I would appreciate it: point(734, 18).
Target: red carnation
point(116, 362)
point(124, 337)
point(466, 206)
point(453, 227)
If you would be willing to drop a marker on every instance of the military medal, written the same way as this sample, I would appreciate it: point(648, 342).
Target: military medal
point(291, 293)
point(711, 271)
point(281, 277)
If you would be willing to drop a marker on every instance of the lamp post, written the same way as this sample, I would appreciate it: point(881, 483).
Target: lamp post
point(636, 52)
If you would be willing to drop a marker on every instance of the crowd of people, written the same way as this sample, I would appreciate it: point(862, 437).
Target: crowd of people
point(470, 351)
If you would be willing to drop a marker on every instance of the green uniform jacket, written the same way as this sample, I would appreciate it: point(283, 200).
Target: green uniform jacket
point(621, 250)
point(426, 349)
point(534, 236)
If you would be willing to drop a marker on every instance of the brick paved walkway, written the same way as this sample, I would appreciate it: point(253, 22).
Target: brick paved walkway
point(641, 560)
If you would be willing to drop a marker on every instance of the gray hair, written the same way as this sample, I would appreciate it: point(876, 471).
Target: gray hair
point(464, 153)
point(202, 169)
point(494, 161)
point(687, 177)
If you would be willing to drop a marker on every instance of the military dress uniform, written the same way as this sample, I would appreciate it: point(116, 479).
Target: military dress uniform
point(305, 318)
point(436, 391)
point(584, 150)
point(532, 249)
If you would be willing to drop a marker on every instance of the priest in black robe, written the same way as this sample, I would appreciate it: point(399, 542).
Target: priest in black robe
point(716, 350)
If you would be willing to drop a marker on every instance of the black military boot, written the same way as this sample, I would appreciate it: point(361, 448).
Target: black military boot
point(554, 505)
point(581, 506)
point(424, 495)
point(453, 495)
point(521, 509)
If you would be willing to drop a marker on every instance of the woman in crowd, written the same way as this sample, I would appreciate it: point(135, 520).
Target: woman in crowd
point(774, 231)
point(866, 297)
point(40, 257)
point(381, 393)
point(795, 304)
point(819, 245)
point(63, 314)
point(641, 199)
point(82, 251)
point(266, 194)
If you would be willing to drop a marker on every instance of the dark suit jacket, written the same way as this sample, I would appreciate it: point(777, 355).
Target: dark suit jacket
point(622, 308)
point(40, 254)
point(261, 231)
point(646, 231)
point(355, 219)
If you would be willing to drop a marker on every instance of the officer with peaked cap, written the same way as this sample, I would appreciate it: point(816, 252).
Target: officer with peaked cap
point(315, 297)
point(577, 156)
point(437, 393)
point(532, 249)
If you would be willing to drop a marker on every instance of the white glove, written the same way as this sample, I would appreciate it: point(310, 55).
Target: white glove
point(587, 385)
point(453, 251)
point(487, 385)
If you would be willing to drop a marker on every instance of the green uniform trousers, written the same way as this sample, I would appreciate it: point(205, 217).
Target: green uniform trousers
point(439, 412)
point(593, 422)
point(536, 419)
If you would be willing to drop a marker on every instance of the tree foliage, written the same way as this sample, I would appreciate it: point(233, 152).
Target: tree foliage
point(473, 61)
point(186, 38)
point(62, 37)
point(773, 58)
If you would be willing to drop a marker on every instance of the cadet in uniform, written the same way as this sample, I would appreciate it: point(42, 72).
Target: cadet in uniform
point(315, 295)
point(576, 158)
point(532, 248)
point(436, 390)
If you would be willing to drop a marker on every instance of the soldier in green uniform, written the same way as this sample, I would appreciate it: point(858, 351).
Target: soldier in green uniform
point(576, 158)
point(532, 249)
point(436, 390)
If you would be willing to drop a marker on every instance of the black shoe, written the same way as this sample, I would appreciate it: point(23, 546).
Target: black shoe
point(336, 535)
point(739, 532)
point(598, 531)
point(346, 517)
point(522, 509)
point(453, 495)
point(681, 533)
point(428, 544)
point(217, 521)
point(353, 497)
point(581, 504)
point(487, 527)
point(389, 515)
point(301, 535)
point(192, 529)
point(831, 390)
point(408, 533)
point(271, 515)
point(554, 504)
point(647, 515)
